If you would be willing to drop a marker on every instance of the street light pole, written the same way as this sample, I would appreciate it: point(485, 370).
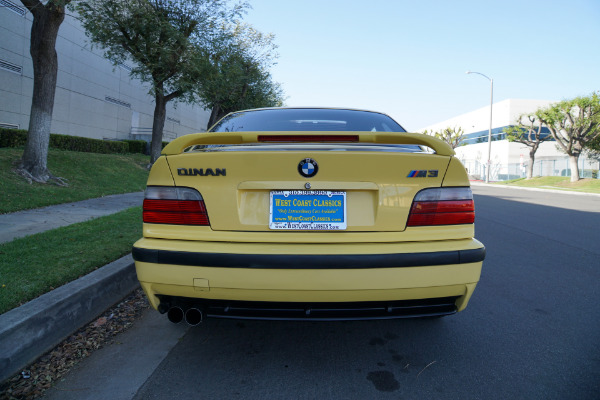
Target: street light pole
point(489, 160)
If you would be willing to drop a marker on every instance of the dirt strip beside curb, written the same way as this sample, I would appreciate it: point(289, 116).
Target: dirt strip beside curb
point(29, 331)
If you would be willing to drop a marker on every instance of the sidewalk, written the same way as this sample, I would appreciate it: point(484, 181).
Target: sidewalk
point(534, 189)
point(28, 331)
point(29, 222)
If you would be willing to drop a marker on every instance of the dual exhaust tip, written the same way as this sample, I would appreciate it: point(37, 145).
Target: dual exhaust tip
point(192, 316)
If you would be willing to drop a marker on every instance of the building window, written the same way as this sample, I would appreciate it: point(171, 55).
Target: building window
point(9, 5)
point(5, 65)
point(497, 134)
point(125, 67)
point(117, 102)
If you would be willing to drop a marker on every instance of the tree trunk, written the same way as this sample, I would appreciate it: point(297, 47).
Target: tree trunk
point(573, 163)
point(44, 31)
point(158, 125)
point(214, 116)
point(530, 166)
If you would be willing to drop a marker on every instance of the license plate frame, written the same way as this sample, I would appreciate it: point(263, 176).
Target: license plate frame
point(307, 210)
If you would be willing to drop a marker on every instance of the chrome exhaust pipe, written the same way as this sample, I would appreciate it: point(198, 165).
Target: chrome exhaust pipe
point(193, 316)
point(175, 315)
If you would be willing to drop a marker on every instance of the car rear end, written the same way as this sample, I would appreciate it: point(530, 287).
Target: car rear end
point(308, 225)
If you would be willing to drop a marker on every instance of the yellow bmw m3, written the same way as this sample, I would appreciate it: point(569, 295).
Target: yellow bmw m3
point(309, 214)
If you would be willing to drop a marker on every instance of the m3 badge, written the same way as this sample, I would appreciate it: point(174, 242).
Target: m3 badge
point(423, 173)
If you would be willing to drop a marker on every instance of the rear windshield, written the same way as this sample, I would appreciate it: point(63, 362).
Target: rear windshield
point(306, 119)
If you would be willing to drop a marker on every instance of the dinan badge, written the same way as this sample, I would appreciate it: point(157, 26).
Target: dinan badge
point(308, 168)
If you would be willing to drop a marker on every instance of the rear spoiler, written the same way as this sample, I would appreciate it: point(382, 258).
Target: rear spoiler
point(178, 145)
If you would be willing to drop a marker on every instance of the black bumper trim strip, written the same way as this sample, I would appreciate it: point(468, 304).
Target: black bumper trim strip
point(471, 256)
point(300, 261)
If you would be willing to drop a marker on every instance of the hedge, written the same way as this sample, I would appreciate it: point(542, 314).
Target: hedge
point(87, 145)
point(18, 137)
point(12, 137)
point(137, 146)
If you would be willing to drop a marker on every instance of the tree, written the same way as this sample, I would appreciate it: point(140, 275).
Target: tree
point(239, 76)
point(168, 40)
point(47, 19)
point(573, 124)
point(529, 134)
point(593, 148)
point(239, 85)
point(452, 136)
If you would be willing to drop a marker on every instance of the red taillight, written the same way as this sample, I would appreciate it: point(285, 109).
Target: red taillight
point(308, 138)
point(442, 206)
point(177, 206)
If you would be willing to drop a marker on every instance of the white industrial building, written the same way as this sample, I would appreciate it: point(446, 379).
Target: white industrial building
point(508, 159)
point(93, 98)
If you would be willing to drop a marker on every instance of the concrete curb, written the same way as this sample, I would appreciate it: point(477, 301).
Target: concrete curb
point(29, 331)
point(474, 183)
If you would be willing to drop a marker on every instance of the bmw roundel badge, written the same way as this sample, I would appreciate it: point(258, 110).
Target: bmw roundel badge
point(308, 168)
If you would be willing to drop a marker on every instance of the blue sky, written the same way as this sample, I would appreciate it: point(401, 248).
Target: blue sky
point(408, 58)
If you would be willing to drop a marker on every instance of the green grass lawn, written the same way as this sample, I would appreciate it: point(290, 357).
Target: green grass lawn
point(557, 183)
point(89, 175)
point(36, 264)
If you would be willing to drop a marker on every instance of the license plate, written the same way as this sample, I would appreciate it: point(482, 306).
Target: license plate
point(313, 210)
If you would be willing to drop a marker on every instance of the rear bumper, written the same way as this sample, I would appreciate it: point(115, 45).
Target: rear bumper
point(332, 281)
point(340, 311)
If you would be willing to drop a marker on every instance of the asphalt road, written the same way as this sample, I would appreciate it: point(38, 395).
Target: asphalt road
point(531, 330)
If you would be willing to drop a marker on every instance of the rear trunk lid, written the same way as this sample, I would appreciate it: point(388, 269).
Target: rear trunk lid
point(252, 181)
